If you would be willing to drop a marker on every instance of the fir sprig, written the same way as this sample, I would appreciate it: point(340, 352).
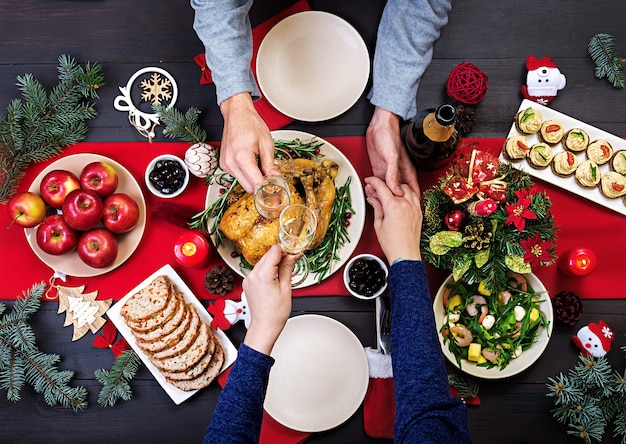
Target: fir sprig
point(183, 126)
point(116, 382)
point(40, 124)
point(22, 362)
point(589, 398)
point(603, 51)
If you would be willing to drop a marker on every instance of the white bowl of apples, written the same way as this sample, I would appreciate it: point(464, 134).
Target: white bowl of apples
point(92, 219)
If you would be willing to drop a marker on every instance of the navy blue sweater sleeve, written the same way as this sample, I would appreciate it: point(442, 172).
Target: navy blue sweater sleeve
point(425, 410)
point(239, 411)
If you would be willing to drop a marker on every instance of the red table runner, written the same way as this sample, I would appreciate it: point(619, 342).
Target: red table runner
point(580, 223)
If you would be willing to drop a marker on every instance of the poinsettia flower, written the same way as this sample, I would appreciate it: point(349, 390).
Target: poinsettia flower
point(518, 213)
point(536, 250)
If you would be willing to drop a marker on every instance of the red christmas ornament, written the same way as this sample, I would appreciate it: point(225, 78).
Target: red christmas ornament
point(454, 219)
point(467, 84)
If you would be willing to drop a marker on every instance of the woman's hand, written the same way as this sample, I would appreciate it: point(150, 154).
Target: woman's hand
point(397, 219)
point(268, 291)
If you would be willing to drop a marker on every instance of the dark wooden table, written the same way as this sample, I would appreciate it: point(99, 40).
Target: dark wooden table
point(126, 36)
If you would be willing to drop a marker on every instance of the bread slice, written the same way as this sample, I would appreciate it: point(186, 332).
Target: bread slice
point(189, 357)
point(197, 369)
point(185, 341)
point(153, 341)
point(148, 301)
point(206, 377)
point(160, 319)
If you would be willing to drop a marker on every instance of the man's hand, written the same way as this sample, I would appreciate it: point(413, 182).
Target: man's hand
point(388, 156)
point(246, 142)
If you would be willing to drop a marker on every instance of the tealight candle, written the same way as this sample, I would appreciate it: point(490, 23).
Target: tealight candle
point(192, 250)
point(578, 262)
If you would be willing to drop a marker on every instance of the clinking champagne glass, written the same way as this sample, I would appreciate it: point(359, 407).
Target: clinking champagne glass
point(271, 196)
point(297, 225)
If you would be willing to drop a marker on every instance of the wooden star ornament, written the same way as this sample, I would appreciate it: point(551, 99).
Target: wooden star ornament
point(82, 310)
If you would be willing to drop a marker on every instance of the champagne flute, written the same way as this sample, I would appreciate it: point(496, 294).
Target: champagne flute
point(271, 196)
point(297, 225)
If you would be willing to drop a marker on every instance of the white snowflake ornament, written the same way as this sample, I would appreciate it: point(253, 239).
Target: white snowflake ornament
point(201, 159)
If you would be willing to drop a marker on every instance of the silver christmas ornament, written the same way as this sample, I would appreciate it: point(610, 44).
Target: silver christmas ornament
point(201, 159)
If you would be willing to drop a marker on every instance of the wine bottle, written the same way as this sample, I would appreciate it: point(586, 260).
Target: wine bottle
point(432, 138)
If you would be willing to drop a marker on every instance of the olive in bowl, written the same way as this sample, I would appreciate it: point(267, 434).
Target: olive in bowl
point(365, 276)
point(167, 176)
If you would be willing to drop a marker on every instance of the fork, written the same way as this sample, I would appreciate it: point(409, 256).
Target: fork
point(385, 327)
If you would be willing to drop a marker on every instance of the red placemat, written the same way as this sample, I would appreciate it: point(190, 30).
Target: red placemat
point(580, 223)
point(21, 268)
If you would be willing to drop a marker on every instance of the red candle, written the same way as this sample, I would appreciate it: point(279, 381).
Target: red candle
point(578, 262)
point(192, 250)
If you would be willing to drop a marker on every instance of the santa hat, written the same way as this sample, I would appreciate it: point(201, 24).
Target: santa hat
point(533, 63)
point(604, 333)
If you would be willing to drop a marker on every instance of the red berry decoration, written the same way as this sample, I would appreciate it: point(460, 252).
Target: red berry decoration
point(454, 219)
point(467, 84)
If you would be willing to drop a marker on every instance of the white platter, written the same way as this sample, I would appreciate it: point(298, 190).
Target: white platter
point(569, 183)
point(230, 352)
point(320, 376)
point(70, 264)
point(357, 222)
point(312, 66)
point(515, 366)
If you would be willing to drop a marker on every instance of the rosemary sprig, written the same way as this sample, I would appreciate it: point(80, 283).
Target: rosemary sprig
point(308, 149)
point(322, 257)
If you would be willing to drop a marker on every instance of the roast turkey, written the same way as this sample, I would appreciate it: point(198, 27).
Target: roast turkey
point(311, 183)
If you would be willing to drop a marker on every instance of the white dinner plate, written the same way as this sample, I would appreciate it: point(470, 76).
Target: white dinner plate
point(357, 222)
point(515, 366)
point(230, 352)
point(320, 376)
point(312, 66)
point(70, 264)
point(569, 183)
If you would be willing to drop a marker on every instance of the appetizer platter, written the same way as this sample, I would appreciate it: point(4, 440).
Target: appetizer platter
point(493, 336)
point(174, 380)
point(584, 150)
point(337, 245)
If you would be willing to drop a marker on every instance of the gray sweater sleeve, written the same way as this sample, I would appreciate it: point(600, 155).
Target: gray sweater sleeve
point(224, 28)
point(425, 410)
point(407, 32)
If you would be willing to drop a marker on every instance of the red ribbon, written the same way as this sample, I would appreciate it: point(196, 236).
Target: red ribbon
point(107, 339)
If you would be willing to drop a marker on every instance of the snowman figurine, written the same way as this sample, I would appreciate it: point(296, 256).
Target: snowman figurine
point(543, 80)
point(594, 340)
point(227, 312)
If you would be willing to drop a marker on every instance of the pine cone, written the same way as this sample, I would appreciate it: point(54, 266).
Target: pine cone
point(567, 307)
point(465, 119)
point(219, 281)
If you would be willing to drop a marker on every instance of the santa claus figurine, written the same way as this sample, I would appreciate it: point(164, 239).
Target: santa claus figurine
point(594, 340)
point(542, 81)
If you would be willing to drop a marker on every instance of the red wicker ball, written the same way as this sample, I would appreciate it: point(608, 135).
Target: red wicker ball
point(467, 84)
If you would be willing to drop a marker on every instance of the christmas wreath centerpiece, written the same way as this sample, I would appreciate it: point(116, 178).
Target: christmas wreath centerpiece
point(484, 219)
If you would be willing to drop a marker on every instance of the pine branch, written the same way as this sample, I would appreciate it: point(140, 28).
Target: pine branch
point(22, 362)
point(116, 381)
point(182, 126)
point(40, 124)
point(603, 51)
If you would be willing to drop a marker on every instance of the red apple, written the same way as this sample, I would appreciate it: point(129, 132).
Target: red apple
point(97, 248)
point(100, 177)
point(55, 236)
point(82, 209)
point(121, 213)
point(26, 209)
point(56, 185)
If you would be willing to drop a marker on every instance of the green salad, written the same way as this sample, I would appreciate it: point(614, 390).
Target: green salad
point(491, 329)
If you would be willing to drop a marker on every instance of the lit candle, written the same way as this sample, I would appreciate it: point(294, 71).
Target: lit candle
point(192, 250)
point(578, 262)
